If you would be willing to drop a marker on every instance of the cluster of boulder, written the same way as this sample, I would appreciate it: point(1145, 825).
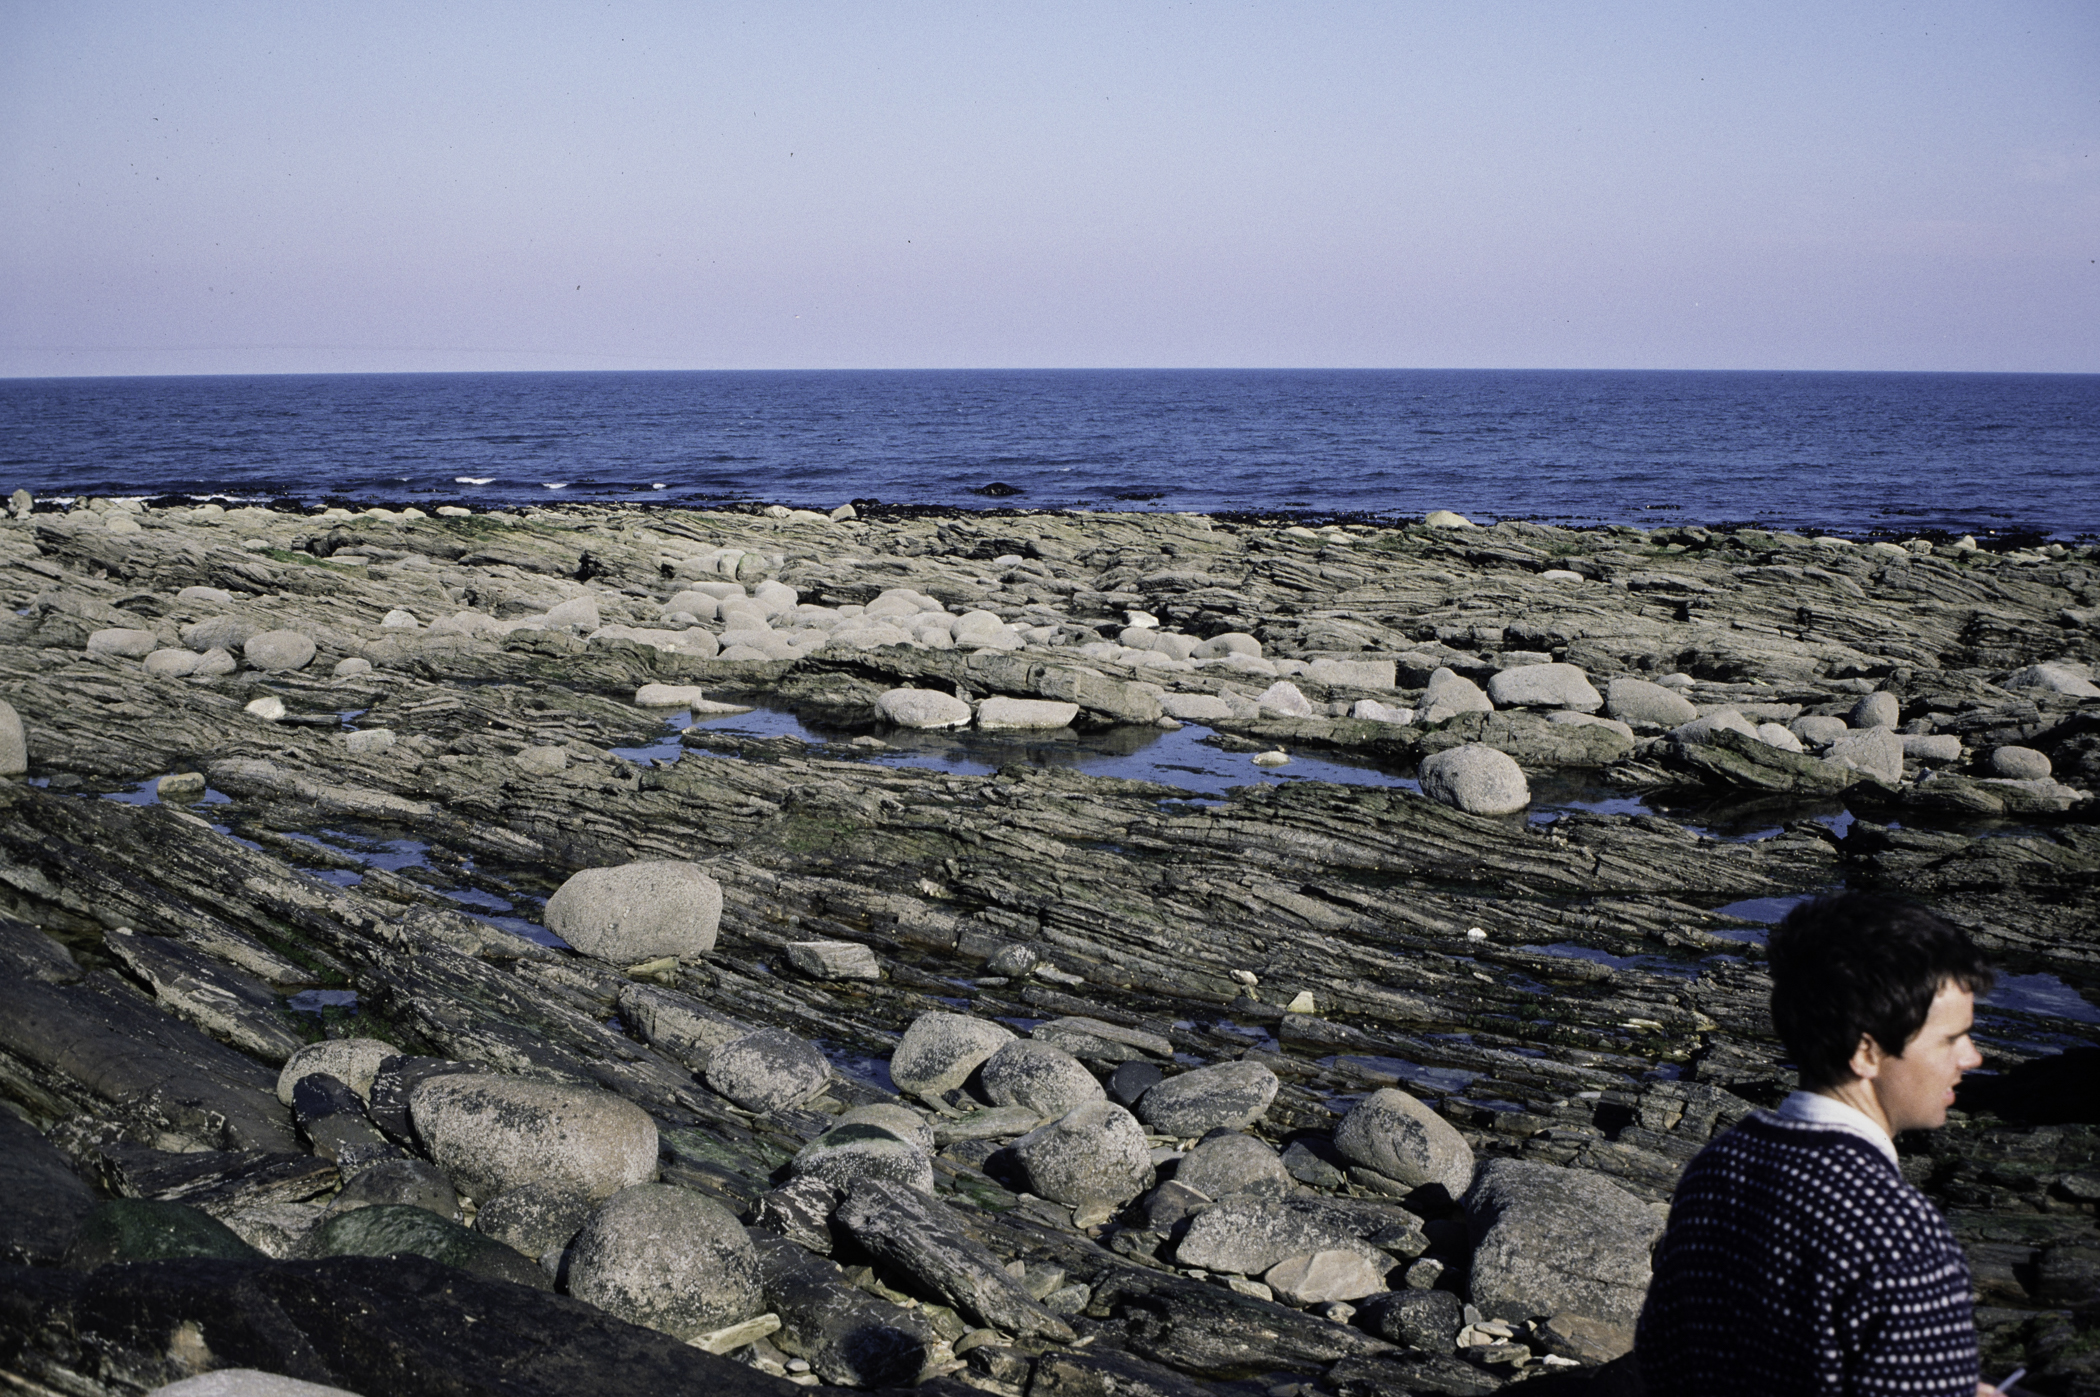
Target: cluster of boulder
point(388, 1029)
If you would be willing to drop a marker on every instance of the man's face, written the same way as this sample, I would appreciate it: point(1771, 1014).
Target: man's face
point(1916, 1088)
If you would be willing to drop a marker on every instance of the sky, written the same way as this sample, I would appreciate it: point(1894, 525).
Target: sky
point(240, 187)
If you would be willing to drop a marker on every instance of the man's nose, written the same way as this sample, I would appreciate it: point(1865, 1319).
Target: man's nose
point(1970, 1059)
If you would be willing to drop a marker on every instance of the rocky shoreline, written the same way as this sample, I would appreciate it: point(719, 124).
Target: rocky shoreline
point(1030, 1081)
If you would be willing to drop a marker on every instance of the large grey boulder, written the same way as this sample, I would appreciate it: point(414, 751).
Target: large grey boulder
point(1818, 730)
point(491, 1134)
point(278, 650)
point(667, 1258)
point(1876, 710)
point(1633, 700)
point(1246, 1234)
point(1395, 1135)
point(1285, 700)
point(913, 1234)
point(1350, 1271)
point(1095, 1154)
point(923, 708)
point(123, 643)
point(1875, 752)
point(1001, 712)
point(1544, 686)
point(1047, 1080)
point(353, 1061)
point(865, 1149)
point(217, 633)
point(939, 1052)
point(2019, 763)
point(1225, 1096)
point(1448, 695)
point(1227, 1164)
point(766, 1070)
point(1701, 729)
point(1549, 1241)
point(638, 911)
point(2055, 677)
point(899, 1120)
point(1356, 674)
point(14, 743)
point(1476, 779)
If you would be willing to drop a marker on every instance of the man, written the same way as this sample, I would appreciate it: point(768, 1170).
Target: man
point(1797, 1258)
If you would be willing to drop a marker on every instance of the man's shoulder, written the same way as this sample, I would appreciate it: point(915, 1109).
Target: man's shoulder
point(1766, 1144)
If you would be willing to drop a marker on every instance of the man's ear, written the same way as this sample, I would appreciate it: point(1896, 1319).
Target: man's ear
point(1867, 1058)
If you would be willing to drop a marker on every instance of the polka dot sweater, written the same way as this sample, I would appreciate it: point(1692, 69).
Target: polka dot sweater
point(1798, 1260)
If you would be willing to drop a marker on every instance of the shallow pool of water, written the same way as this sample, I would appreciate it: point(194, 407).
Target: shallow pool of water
point(2041, 994)
point(1657, 965)
point(1398, 1071)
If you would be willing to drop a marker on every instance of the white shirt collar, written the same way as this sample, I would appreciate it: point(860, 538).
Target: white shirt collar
point(1815, 1109)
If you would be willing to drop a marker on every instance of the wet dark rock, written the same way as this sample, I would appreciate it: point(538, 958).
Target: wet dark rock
point(385, 1229)
point(142, 1229)
point(907, 1231)
point(1108, 1374)
point(800, 1210)
point(332, 1119)
point(46, 1201)
point(404, 1325)
point(1131, 1080)
point(1423, 1319)
point(416, 1184)
point(1211, 1332)
point(1412, 1375)
point(844, 1334)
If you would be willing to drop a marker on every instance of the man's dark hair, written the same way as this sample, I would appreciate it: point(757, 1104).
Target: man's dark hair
point(1861, 963)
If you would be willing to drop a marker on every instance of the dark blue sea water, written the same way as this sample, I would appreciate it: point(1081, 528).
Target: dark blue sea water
point(1850, 453)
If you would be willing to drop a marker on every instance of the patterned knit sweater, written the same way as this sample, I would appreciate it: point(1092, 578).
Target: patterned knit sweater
point(1798, 1260)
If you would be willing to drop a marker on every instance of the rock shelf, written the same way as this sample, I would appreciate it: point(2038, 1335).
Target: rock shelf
point(1294, 1090)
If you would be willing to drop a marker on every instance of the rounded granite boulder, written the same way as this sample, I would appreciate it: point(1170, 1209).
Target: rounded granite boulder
point(766, 1070)
point(1393, 1134)
point(638, 911)
point(1047, 1080)
point(278, 650)
point(923, 708)
point(491, 1133)
point(1225, 1096)
point(1095, 1154)
point(939, 1052)
point(1476, 779)
point(667, 1258)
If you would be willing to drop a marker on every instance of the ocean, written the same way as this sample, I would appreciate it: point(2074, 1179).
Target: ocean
point(1849, 453)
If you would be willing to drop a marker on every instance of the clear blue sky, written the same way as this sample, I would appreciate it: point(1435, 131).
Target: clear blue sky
point(273, 187)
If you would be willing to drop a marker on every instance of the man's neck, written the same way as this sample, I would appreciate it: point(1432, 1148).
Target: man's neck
point(1859, 1095)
